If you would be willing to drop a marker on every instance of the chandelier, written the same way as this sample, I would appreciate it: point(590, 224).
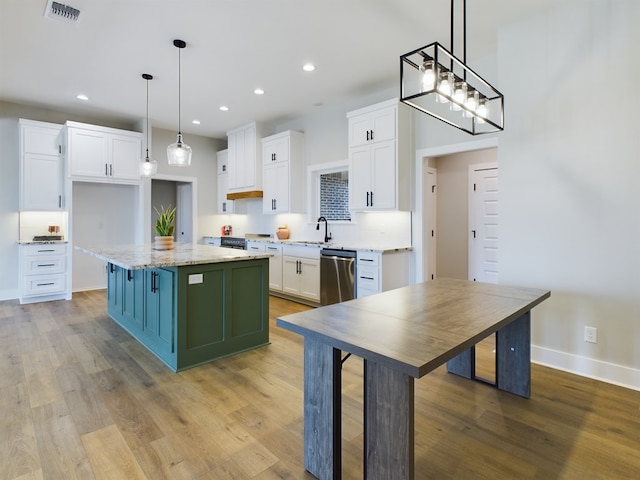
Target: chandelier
point(434, 81)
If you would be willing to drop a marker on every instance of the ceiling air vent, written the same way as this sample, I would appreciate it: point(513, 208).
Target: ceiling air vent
point(61, 11)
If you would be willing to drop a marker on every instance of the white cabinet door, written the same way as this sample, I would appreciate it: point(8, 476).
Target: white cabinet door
point(275, 267)
point(360, 177)
point(224, 205)
point(88, 154)
point(290, 281)
point(275, 150)
point(375, 126)
point(42, 184)
point(126, 152)
point(383, 176)
point(244, 174)
point(102, 154)
point(41, 139)
point(276, 188)
point(309, 286)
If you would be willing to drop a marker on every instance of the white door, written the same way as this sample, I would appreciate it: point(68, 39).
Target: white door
point(429, 226)
point(184, 212)
point(483, 223)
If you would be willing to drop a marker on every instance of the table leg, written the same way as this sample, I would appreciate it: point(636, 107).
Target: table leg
point(463, 364)
point(322, 410)
point(388, 423)
point(513, 357)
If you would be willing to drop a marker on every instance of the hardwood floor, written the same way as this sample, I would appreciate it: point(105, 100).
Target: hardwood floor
point(79, 398)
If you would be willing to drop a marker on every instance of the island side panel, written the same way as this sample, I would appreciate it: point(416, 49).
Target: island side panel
point(223, 309)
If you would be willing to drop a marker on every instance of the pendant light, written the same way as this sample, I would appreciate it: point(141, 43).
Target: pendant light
point(148, 167)
point(436, 82)
point(179, 153)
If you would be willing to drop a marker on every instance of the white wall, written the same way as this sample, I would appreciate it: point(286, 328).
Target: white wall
point(569, 176)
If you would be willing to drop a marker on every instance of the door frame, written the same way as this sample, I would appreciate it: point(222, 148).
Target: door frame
point(419, 242)
point(145, 193)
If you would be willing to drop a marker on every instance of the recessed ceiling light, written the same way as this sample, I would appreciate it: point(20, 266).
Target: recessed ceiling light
point(308, 67)
point(224, 108)
point(195, 122)
point(82, 96)
point(258, 91)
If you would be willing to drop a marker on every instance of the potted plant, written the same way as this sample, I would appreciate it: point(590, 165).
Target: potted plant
point(165, 227)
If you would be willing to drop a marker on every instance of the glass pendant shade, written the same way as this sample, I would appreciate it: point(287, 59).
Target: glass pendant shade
point(428, 75)
point(179, 153)
point(148, 167)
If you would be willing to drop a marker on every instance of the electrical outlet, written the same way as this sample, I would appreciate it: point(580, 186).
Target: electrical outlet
point(591, 334)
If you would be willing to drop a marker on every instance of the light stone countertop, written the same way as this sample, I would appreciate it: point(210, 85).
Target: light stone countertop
point(332, 245)
point(134, 257)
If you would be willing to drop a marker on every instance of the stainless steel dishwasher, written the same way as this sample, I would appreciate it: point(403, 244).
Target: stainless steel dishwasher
point(337, 275)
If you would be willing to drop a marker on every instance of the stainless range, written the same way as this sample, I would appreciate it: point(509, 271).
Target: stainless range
point(238, 243)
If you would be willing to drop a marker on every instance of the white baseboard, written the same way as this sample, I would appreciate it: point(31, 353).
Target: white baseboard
point(587, 367)
point(8, 295)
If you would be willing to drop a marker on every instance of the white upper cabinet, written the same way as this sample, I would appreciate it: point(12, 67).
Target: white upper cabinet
point(283, 173)
point(379, 157)
point(102, 154)
point(41, 166)
point(244, 158)
point(224, 205)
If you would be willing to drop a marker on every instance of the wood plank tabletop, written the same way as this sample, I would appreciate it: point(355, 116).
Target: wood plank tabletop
point(417, 328)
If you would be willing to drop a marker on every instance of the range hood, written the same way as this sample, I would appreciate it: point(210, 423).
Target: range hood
point(241, 195)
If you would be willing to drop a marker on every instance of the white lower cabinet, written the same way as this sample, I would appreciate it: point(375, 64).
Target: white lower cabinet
point(275, 267)
point(43, 273)
point(301, 271)
point(378, 272)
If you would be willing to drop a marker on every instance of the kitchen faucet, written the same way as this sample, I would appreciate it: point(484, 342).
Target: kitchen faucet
point(327, 236)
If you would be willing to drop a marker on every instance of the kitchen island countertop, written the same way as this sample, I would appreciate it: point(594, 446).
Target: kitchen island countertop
point(141, 256)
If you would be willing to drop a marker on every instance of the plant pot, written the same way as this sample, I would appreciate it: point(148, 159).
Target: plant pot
point(164, 243)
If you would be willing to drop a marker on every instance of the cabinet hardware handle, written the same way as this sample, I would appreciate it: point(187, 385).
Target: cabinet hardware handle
point(59, 201)
point(367, 135)
point(366, 259)
point(371, 135)
point(367, 278)
point(111, 267)
point(224, 168)
point(367, 199)
point(45, 284)
point(106, 170)
point(111, 170)
point(129, 275)
point(46, 265)
point(372, 199)
point(474, 233)
point(46, 250)
point(224, 206)
point(59, 148)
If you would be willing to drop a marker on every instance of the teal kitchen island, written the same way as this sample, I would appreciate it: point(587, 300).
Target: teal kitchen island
point(189, 305)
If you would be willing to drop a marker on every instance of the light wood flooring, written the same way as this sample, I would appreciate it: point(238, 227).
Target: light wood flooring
point(79, 398)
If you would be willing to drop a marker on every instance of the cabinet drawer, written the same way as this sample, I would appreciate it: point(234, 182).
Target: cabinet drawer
point(36, 265)
point(255, 247)
point(368, 258)
point(45, 250)
point(368, 278)
point(44, 284)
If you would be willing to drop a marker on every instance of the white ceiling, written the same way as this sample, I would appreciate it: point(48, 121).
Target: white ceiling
point(233, 46)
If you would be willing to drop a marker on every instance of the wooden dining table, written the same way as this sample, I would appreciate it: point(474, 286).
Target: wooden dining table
point(402, 335)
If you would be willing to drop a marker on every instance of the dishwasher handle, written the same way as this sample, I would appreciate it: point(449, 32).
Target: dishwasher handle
point(334, 252)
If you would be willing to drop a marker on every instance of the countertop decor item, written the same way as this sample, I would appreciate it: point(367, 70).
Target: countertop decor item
point(434, 81)
point(282, 232)
point(165, 227)
point(179, 153)
point(148, 167)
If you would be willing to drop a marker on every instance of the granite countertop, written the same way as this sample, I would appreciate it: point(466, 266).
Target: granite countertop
point(134, 257)
point(333, 245)
point(41, 242)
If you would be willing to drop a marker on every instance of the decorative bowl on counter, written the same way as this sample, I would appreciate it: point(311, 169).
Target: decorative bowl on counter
point(282, 232)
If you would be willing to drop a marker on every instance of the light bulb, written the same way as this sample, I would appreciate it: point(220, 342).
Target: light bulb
point(459, 95)
point(482, 112)
point(471, 103)
point(445, 86)
point(179, 153)
point(148, 167)
point(428, 76)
